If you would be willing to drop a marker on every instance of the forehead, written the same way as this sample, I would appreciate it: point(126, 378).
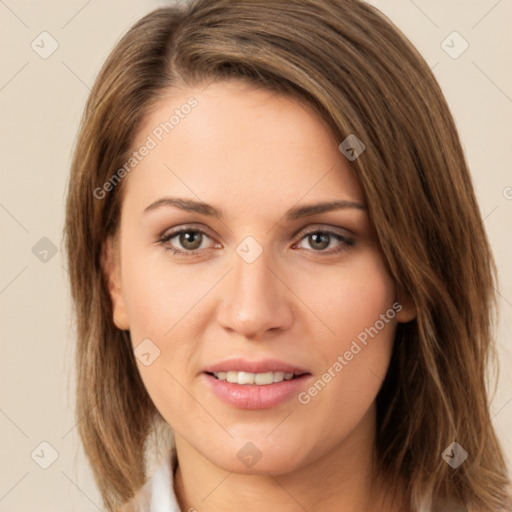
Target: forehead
point(238, 145)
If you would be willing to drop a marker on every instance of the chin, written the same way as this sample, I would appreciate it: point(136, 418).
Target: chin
point(259, 457)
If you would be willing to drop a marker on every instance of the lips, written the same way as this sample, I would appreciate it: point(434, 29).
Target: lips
point(255, 384)
point(253, 396)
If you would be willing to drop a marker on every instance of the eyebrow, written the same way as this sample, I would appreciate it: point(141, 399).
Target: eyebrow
point(292, 214)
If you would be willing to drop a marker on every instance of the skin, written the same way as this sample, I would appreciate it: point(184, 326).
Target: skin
point(254, 154)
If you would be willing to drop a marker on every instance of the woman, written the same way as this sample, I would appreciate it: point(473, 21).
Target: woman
point(276, 253)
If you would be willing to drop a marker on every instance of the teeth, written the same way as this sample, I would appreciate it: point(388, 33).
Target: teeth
point(260, 379)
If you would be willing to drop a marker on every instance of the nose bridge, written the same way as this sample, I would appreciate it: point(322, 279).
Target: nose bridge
point(254, 300)
point(252, 277)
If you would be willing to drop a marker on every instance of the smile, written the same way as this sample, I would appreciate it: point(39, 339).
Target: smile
point(260, 379)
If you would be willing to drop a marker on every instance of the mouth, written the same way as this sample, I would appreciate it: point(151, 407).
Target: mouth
point(258, 379)
point(263, 384)
point(246, 390)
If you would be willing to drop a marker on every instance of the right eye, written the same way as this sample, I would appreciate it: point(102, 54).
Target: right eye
point(190, 239)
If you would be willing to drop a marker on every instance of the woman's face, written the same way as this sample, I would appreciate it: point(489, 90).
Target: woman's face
point(263, 284)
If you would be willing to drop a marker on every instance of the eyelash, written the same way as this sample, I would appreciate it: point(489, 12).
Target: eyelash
point(347, 242)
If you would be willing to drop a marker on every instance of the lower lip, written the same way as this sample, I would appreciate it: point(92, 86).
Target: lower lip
point(252, 396)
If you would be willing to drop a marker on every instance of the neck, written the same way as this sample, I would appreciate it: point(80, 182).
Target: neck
point(343, 480)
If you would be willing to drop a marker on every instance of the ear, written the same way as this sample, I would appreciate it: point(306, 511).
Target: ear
point(405, 308)
point(111, 265)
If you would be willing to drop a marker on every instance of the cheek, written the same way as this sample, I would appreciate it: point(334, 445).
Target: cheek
point(164, 304)
point(348, 298)
point(357, 306)
point(159, 304)
point(157, 293)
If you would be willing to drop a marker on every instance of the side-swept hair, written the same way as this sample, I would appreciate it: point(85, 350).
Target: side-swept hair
point(363, 77)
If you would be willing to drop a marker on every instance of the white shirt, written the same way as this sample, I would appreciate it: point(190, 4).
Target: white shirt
point(157, 494)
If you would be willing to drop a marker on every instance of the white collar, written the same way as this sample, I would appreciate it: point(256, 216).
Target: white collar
point(157, 494)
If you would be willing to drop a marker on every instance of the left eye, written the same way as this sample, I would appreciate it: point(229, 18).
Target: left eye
point(322, 239)
point(191, 240)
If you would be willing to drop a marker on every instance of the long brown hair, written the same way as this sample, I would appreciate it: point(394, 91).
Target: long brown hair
point(363, 77)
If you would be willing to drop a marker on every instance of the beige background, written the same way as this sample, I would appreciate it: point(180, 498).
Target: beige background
point(41, 101)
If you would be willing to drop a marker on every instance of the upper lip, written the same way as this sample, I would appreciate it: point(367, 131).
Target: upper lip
point(261, 366)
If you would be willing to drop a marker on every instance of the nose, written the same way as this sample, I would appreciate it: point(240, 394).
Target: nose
point(256, 299)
